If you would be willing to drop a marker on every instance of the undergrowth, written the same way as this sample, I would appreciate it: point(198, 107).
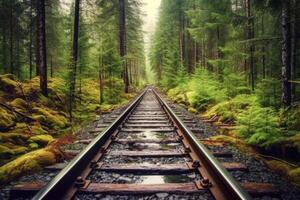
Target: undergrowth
point(257, 116)
point(30, 121)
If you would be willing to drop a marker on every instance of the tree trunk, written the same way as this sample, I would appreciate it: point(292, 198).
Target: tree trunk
point(122, 43)
point(101, 83)
point(51, 66)
point(293, 47)
point(263, 49)
point(30, 39)
point(11, 44)
point(41, 46)
point(286, 54)
point(182, 40)
point(74, 57)
point(250, 35)
point(4, 58)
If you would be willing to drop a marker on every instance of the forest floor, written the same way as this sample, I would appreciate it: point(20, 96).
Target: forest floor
point(32, 126)
point(281, 154)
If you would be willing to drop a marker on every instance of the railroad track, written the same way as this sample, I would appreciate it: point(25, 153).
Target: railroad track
point(146, 150)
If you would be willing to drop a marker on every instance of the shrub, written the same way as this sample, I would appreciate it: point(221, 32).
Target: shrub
point(229, 110)
point(207, 90)
point(289, 118)
point(259, 126)
point(268, 92)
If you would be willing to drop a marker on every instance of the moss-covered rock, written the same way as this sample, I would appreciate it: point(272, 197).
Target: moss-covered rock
point(295, 176)
point(7, 120)
point(38, 129)
point(20, 150)
point(279, 166)
point(14, 138)
point(192, 110)
point(8, 84)
point(19, 104)
point(238, 143)
point(5, 152)
point(27, 163)
point(293, 141)
point(33, 146)
point(42, 140)
point(50, 117)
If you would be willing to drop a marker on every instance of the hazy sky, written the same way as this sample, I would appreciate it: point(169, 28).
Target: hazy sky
point(151, 12)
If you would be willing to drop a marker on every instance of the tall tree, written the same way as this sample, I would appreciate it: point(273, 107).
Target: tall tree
point(250, 36)
point(286, 53)
point(74, 56)
point(41, 46)
point(122, 42)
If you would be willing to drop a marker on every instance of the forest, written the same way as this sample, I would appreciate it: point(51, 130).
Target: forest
point(236, 60)
point(235, 63)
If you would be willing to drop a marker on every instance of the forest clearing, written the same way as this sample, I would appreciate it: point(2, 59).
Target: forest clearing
point(150, 99)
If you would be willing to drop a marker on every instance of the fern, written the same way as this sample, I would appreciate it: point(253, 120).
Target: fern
point(259, 126)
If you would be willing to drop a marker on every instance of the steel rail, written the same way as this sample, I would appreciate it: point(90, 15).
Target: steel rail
point(224, 186)
point(65, 179)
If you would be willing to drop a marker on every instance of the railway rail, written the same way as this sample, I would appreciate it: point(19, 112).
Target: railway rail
point(148, 128)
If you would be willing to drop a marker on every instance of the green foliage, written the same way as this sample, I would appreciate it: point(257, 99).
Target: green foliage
point(114, 91)
point(235, 84)
point(289, 118)
point(228, 111)
point(259, 126)
point(268, 92)
point(207, 90)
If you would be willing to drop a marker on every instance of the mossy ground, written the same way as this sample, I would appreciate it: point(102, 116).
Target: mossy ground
point(29, 162)
point(245, 123)
point(30, 121)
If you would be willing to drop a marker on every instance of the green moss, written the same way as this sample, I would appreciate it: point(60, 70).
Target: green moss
point(14, 138)
point(8, 84)
point(27, 163)
point(192, 110)
point(31, 88)
point(21, 127)
point(224, 138)
point(240, 144)
point(38, 129)
point(278, 166)
point(7, 120)
point(52, 118)
point(20, 150)
point(19, 104)
point(5, 152)
point(42, 140)
point(33, 146)
point(295, 176)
